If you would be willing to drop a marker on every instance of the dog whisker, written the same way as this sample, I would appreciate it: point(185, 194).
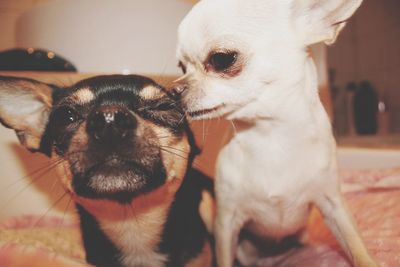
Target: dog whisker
point(234, 127)
point(132, 209)
point(206, 132)
point(52, 164)
point(65, 212)
point(60, 224)
point(181, 120)
point(49, 209)
point(174, 153)
point(34, 180)
point(137, 218)
point(73, 163)
point(175, 105)
point(180, 156)
point(162, 137)
point(202, 131)
point(176, 149)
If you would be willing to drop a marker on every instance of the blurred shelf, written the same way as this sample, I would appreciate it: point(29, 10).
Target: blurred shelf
point(391, 141)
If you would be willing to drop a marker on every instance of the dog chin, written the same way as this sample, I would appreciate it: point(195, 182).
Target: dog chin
point(121, 183)
point(209, 113)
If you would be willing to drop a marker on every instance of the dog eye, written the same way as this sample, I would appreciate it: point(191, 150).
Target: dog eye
point(165, 106)
point(64, 116)
point(182, 66)
point(221, 61)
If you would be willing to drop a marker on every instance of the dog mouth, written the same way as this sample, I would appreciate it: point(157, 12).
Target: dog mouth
point(119, 179)
point(198, 114)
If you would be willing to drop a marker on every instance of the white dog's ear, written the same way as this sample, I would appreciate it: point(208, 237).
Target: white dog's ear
point(322, 20)
point(25, 105)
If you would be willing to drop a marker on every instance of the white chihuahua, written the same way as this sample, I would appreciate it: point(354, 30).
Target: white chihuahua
point(248, 61)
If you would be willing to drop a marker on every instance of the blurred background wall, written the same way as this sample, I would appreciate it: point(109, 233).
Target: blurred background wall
point(368, 49)
point(10, 10)
point(125, 36)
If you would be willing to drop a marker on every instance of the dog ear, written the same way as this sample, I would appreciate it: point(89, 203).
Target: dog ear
point(25, 105)
point(321, 21)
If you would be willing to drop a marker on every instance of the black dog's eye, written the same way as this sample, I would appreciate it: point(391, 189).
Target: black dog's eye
point(165, 112)
point(165, 106)
point(222, 61)
point(182, 66)
point(64, 116)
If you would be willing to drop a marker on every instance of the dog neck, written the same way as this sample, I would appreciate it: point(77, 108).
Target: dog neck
point(136, 228)
point(138, 236)
point(295, 110)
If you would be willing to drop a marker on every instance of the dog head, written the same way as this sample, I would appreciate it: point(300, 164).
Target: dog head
point(117, 136)
point(235, 52)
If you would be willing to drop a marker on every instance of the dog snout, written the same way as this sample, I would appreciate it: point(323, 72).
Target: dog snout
point(110, 124)
point(178, 89)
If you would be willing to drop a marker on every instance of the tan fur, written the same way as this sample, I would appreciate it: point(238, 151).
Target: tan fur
point(174, 151)
point(79, 143)
point(150, 92)
point(29, 139)
point(21, 117)
point(114, 211)
point(207, 210)
point(135, 227)
point(83, 96)
point(42, 91)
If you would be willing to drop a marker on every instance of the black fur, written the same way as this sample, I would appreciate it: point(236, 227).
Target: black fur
point(100, 251)
point(184, 235)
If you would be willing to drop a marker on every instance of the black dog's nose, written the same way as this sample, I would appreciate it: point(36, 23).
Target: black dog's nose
point(111, 123)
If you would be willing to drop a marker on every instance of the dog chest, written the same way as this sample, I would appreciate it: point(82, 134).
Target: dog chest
point(271, 166)
point(276, 217)
point(271, 182)
point(138, 237)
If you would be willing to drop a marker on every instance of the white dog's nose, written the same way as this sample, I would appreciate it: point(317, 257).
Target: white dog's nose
point(178, 89)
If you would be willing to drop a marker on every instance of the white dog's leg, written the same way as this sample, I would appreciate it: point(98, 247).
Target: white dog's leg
point(338, 218)
point(226, 236)
point(247, 253)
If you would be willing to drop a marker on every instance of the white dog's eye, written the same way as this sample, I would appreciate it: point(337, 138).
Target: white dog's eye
point(221, 61)
point(182, 66)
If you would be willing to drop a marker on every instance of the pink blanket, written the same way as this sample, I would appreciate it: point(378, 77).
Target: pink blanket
point(32, 241)
point(373, 196)
point(374, 199)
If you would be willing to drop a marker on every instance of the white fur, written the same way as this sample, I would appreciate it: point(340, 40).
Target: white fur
point(282, 157)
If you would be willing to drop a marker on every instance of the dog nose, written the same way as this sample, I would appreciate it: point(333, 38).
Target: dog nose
point(178, 89)
point(111, 124)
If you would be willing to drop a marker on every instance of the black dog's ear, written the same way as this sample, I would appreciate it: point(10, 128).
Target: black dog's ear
point(25, 106)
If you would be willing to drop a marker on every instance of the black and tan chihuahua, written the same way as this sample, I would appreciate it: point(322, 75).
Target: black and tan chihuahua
point(127, 152)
